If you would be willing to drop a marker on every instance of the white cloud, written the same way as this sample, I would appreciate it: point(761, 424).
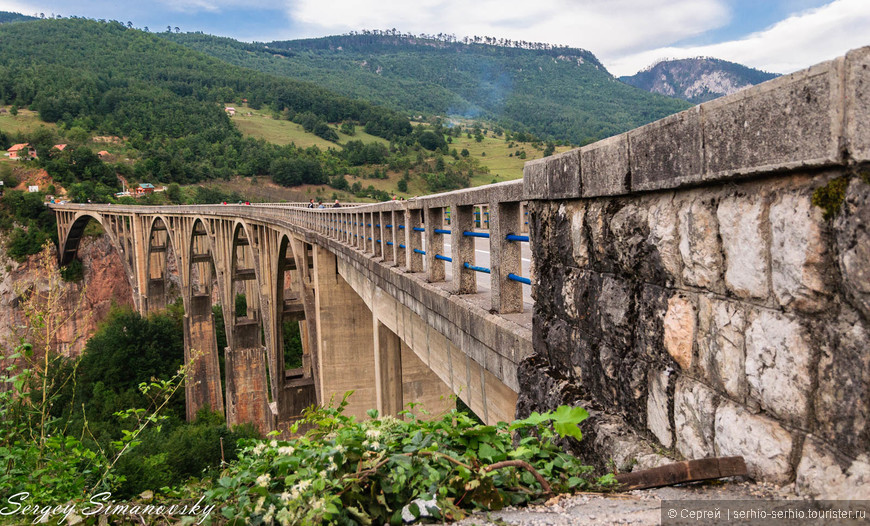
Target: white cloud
point(797, 42)
point(602, 26)
point(215, 6)
point(18, 7)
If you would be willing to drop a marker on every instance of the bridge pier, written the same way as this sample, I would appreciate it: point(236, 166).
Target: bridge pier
point(247, 387)
point(345, 338)
point(203, 386)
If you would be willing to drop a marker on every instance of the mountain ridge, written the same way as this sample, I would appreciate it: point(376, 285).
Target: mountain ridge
point(555, 92)
point(696, 79)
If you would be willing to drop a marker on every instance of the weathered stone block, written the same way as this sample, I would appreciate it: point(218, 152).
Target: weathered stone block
point(629, 248)
point(577, 211)
point(699, 244)
point(857, 96)
point(596, 221)
point(679, 334)
point(613, 306)
point(605, 167)
point(822, 474)
point(649, 328)
point(852, 229)
point(798, 253)
point(763, 444)
point(663, 235)
point(694, 418)
point(779, 365)
point(788, 122)
point(667, 153)
point(563, 175)
point(535, 185)
point(742, 225)
point(721, 353)
point(658, 407)
point(842, 407)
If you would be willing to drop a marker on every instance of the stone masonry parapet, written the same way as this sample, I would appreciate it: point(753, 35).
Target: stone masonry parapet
point(810, 119)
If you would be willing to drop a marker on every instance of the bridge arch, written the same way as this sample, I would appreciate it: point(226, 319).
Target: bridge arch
point(160, 249)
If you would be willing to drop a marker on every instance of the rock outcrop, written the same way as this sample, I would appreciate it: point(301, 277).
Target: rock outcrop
point(104, 285)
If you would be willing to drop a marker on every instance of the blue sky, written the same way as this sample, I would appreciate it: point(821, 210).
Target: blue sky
point(626, 35)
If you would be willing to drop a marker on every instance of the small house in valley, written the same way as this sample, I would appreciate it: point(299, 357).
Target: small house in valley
point(22, 152)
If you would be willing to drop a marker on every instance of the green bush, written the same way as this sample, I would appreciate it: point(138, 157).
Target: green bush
point(348, 472)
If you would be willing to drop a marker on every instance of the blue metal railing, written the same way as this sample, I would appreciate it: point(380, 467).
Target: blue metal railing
point(476, 269)
point(520, 279)
point(443, 258)
point(475, 234)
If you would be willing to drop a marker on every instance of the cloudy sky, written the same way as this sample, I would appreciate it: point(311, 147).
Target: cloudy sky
point(626, 35)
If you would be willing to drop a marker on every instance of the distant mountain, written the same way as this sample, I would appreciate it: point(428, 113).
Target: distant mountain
point(6, 17)
point(697, 79)
point(554, 92)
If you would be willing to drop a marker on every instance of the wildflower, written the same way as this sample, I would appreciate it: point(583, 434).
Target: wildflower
point(273, 443)
point(258, 450)
point(373, 433)
point(267, 518)
point(286, 450)
point(286, 497)
point(263, 480)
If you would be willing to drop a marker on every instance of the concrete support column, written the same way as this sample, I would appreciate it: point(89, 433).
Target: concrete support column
point(203, 384)
point(462, 250)
point(434, 243)
point(381, 235)
point(505, 258)
point(400, 242)
point(420, 385)
point(414, 240)
point(388, 369)
point(247, 386)
point(345, 338)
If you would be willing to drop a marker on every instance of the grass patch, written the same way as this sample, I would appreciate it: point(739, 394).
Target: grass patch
point(261, 124)
point(504, 163)
point(25, 122)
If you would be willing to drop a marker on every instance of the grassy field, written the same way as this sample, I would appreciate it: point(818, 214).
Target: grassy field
point(25, 122)
point(502, 165)
point(262, 125)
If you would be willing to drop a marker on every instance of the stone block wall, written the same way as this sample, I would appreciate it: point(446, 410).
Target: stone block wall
point(691, 286)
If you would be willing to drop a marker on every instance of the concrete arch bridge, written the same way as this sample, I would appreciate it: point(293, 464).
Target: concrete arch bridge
point(702, 283)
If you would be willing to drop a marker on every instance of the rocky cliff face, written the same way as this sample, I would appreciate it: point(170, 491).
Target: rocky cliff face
point(104, 285)
point(697, 79)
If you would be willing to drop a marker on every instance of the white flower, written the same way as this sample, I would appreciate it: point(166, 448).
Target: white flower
point(286, 450)
point(273, 443)
point(267, 518)
point(373, 433)
point(340, 448)
point(286, 497)
point(375, 445)
point(258, 450)
point(263, 480)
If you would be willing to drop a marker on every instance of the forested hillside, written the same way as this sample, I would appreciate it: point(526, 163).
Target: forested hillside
point(697, 79)
point(6, 17)
point(554, 92)
point(167, 99)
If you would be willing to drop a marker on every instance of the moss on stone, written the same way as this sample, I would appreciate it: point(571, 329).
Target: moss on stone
point(831, 196)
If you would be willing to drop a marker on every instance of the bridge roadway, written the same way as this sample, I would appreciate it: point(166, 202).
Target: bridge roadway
point(391, 298)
